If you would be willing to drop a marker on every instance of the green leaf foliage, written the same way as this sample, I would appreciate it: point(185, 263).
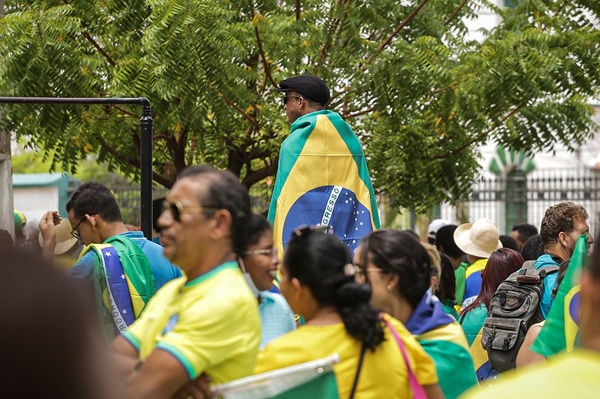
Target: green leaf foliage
point(419, 93)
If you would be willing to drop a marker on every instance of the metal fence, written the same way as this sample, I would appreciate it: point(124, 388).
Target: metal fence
point(128, 198)
point(524, 199)
point(506, 201)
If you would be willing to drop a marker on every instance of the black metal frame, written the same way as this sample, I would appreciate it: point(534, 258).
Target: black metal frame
point(146, 127)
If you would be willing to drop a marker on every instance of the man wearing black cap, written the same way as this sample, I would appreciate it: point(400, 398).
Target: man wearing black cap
point(322, 175)
point(302, 95)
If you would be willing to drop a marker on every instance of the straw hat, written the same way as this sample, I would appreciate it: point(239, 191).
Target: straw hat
point(478, 239)
point(64, 239)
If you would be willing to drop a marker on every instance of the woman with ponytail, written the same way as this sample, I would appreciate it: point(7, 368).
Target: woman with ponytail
point(398, 269)
point(317, 280)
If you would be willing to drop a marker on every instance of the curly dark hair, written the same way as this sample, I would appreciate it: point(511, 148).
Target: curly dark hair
point(560, 217)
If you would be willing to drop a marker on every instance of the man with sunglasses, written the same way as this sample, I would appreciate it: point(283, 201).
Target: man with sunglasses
point(322, 175)
point(206, 323)
point(120, 267)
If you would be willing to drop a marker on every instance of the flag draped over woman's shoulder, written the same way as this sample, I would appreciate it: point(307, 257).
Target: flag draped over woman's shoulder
point(562, 325)
point(322, 178)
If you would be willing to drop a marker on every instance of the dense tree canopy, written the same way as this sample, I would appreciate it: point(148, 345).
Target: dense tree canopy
point(421, 96)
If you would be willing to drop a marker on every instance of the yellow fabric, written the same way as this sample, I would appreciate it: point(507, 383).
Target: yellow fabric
point(136, 299)
point(568, 375)
point(480, 355)
point(476, 266)
point(210, 325)
point(64, 261)
point(336, 167)
point(383, 372)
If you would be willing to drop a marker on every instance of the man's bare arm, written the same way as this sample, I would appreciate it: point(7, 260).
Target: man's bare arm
point(161, 375)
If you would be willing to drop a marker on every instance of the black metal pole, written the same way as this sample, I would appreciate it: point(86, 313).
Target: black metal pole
point(146, 126)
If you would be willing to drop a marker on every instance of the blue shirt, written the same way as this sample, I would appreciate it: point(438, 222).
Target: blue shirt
point(549, 283)
point(163, 270)
point(276, 317)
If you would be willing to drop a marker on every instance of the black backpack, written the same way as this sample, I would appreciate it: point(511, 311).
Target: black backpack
point(513, 309)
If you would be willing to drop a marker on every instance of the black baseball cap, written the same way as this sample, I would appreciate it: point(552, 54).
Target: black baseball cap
point(309, 86)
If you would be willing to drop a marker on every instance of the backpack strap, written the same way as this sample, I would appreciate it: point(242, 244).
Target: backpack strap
point(528, 265)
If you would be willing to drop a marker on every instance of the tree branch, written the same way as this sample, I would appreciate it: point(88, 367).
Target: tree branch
point(94, 43)
point(330, 32)
point(358, 113)
point(238, 109)
point(479, 137)
point(160, 179)
point(100, 49)
point(126, 112)
point(298, 16)
point(261, 48)
point(260, 174)
point(129, 161)
point(389, 39)
point(455, 12)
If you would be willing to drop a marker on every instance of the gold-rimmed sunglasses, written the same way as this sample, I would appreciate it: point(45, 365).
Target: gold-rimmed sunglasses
point(177, 209)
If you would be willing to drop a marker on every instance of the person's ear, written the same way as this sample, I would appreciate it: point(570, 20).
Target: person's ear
point(222, 222)
point(392, 282)
point(92, 221)
point(563, 238)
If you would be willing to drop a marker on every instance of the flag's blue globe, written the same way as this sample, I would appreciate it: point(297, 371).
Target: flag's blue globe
point(333, 206)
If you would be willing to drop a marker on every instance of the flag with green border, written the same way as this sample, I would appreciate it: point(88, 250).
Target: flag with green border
point(562, 325)
point(322, 178)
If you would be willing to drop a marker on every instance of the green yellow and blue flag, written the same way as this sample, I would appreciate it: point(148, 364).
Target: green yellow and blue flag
point(443, 339)
point(562, 325)
point(322, 178)
point(123, 282)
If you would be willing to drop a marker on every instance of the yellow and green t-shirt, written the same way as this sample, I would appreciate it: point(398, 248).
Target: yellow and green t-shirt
point(210, 324)
point(383, 374)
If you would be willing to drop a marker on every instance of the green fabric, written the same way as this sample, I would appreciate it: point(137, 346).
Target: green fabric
point(135, 266)
point(449, 309)
point(301, 130)
point(460, 277)
point(454, 366)
point(472, 321)
point(561, 328)
point(322, 387)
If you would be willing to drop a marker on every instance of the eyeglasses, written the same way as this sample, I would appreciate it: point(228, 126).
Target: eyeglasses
point(305, 230)
point(272, 252)
point(285, 98)
point(360, 272)
point(177, 209)
point(74, 232)
point(361, 275)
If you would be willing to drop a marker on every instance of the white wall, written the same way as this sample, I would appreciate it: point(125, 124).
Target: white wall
point(35, 201)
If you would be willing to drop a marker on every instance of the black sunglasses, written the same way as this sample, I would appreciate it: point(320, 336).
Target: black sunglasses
point(177, 209)
point(304, 230)
point(285, 98)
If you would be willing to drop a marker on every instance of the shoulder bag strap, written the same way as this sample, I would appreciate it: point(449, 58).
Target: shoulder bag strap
point(360, 362)
point(417, 389)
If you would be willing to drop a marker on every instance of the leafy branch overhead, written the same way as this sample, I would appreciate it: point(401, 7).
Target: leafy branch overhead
point(418, 92)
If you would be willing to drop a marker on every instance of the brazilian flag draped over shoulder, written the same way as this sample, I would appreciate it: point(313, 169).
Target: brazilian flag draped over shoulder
point(562, 325)
point(123, 282)
point(322, 178)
